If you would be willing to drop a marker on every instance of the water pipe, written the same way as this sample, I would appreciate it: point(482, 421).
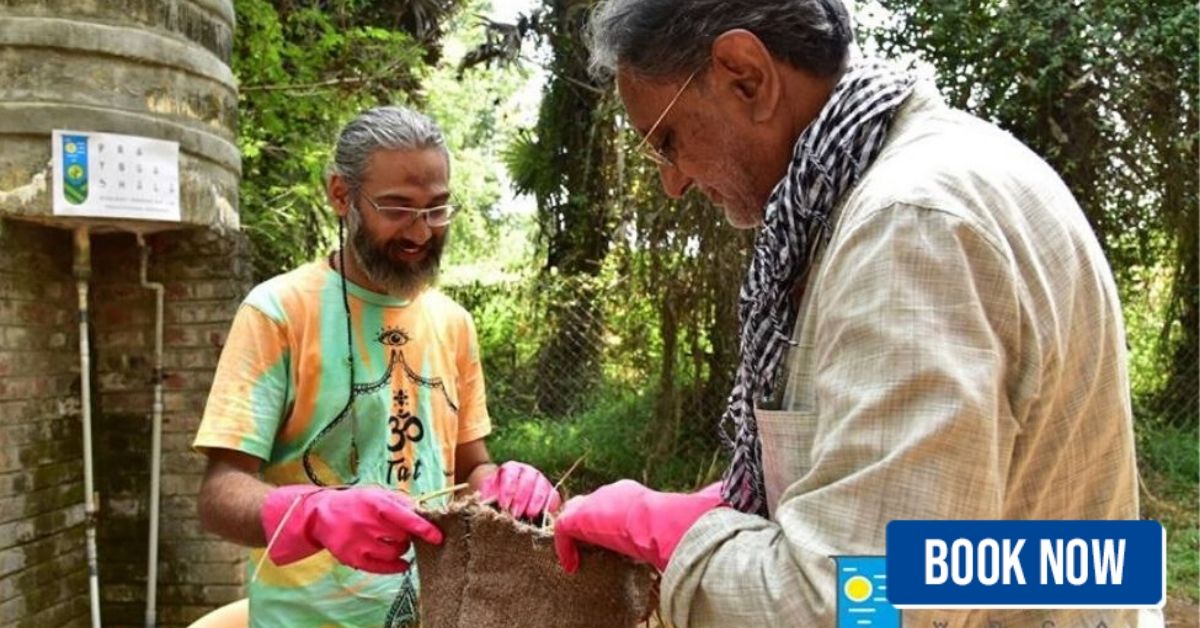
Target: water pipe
point(83, 271)
point(155, 438)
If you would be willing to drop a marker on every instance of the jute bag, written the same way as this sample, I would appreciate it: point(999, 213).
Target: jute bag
point(494, 571)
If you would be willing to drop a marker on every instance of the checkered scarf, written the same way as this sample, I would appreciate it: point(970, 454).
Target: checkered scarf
point(827, 161)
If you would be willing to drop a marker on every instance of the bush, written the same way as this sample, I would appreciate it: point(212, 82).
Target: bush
point(611, 437)
point(1170, 465)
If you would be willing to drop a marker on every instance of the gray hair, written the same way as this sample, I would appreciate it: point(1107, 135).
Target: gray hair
point(389, 128)
point(661, 38)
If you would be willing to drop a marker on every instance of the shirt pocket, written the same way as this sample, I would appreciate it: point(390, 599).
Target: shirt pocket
point(786, 437)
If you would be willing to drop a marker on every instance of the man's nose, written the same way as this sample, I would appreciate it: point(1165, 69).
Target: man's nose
point(674, 182)
point(418, 231)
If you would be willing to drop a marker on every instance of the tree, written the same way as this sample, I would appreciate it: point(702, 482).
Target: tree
point(304, 69)
point(646, 285)
point(568, 162)
point(1105, 91)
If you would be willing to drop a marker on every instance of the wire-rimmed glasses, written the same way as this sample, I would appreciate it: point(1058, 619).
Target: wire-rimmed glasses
point(652, 152)
point(438, 216)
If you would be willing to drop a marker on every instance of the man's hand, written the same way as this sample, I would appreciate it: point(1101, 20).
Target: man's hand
point(367, 528)
point(630, 519)
point(520, 490)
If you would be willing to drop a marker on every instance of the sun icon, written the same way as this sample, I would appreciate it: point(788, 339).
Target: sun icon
point(858, 589)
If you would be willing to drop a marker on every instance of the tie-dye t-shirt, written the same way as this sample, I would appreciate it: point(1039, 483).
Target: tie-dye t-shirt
point(281, 393)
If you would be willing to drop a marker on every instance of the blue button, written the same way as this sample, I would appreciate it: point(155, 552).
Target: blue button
point(1026, 564)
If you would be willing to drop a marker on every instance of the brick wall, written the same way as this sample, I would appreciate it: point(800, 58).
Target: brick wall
point(43, 572)
point(206, 275)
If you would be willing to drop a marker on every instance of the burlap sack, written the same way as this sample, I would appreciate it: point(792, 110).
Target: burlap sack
point(495, 571)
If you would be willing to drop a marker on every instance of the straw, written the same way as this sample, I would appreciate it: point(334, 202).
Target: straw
point(438, 493)
point(274, 537)
point(554, 491)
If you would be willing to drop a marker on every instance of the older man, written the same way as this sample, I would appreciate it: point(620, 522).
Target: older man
point(929, 327)
point(348, 387)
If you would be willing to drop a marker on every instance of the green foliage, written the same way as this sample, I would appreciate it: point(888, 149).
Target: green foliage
point(1170, 467)
point(611, 423)
point(639, 291)
point(477, 111)
point(570, 163)
point(636, 290)
point(1106, 92)
point(1145, 293)
point(507, 327)
point(614, 438)
point(304, 69)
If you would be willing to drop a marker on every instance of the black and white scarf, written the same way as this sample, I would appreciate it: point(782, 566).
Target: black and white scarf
point(827, 161)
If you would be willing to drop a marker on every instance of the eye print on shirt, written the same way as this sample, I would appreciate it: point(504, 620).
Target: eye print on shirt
point(396, 338)
point(393, 336)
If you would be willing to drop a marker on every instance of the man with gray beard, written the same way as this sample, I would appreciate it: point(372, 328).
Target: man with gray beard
point(346, 388)
point(929, 329)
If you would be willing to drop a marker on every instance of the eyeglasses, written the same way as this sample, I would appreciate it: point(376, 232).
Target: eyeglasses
point(439, 216)
point(652, 152)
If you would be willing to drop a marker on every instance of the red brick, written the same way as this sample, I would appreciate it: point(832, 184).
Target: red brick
point(230, 572)
point(180, 462)
point(185, 401)
point(189, 358)
point(200, 312)
point(38, 575)
point(210, 335)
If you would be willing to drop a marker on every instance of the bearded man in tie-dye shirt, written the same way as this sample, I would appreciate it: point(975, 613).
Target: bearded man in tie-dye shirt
point(346, 388)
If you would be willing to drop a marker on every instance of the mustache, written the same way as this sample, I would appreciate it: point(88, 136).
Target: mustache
point(404, 279)
point(405, 243)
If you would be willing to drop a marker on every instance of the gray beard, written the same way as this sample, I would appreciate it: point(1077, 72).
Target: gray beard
point(397, 279)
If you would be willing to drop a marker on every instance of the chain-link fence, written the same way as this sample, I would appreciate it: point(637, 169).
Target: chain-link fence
point(555, 349)
point(583, 372)
point(1166, 389)
point(552, 348)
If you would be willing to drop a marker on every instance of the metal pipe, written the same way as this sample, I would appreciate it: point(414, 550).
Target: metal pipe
point(83, 272)
point(155, 437)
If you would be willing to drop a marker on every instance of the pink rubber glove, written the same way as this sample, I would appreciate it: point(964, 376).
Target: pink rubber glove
point(630, 519)
point(367, 528)
point(520, 490)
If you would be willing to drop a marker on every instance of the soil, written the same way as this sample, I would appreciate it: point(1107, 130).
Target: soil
point(1182, 613)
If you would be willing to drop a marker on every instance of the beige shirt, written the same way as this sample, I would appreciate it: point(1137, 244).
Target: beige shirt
point(959, 354)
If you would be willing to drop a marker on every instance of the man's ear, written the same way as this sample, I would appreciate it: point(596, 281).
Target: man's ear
point(744, 68)
point(339, 194)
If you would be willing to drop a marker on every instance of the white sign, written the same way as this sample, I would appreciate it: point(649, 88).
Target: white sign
point(104, 175)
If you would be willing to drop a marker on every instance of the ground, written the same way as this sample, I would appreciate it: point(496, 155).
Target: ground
point(1182, 613)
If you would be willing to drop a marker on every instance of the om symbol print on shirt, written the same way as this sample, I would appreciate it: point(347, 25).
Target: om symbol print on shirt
point(339, 440)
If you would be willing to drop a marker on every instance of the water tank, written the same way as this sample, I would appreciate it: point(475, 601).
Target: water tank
point(151, 68)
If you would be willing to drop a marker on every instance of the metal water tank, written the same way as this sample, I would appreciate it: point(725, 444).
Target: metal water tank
point(152, 68)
